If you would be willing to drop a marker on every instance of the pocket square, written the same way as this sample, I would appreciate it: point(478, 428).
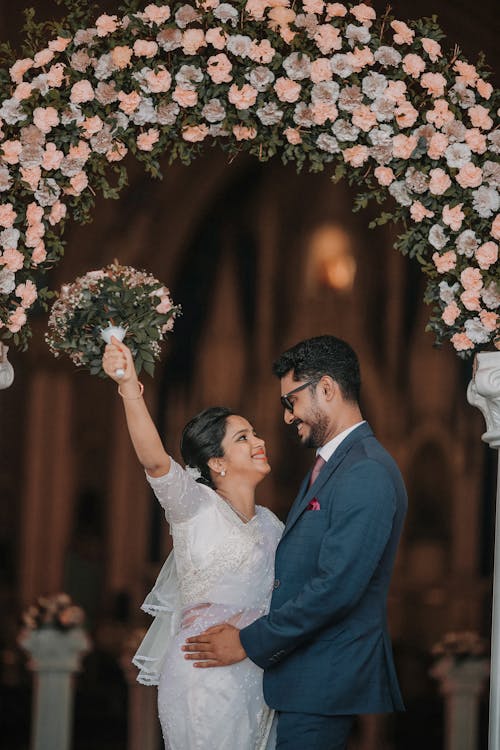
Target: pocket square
point(314, 504)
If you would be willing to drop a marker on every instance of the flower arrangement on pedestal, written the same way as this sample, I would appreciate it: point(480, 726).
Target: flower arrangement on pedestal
point(461, 645)
point(57, 611)
point(116, 300)
point(327, 84)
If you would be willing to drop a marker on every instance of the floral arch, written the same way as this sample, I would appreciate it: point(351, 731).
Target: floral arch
point(324, 85)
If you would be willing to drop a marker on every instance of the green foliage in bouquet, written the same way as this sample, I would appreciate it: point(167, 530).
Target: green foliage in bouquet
point(119, 296)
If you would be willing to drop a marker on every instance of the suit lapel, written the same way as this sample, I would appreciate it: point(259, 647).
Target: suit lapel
point(305, 495)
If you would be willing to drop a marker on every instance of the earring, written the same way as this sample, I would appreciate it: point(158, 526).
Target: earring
point(223, 473)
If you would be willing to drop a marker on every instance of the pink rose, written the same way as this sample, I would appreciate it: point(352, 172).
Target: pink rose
point(121, 56)
point(146, 141)
point(321, 70)
point(313, 6)
point(34, 233)
point(22, 91)
point(7, 215)
point(364, 118)
point(59, 44)
point(287, 90)
point(16, 319)
point(439, 182)
point(323, 111)
point(31, 176)
point(143, 48)
point(360, 58)
point(484, 88)
point(52, 157)
point(12, 259)
point(413, 65)
point(157, 14)
point(106, 24)
point(128, 102)
point(91, 125)
point(80, 151)
point(469, 176)
point(293, 136)
point(11, 151)
point(45, 118)
point(256, 9)
point(219, 68)
point(406, 115)
point(438, 144)
point(419, 212)
point(470, 300)
point(27, 293)
point(261, 52)
point(453, 217)
point(57, 213)
point(489, 320)
point(434, 83)
point(336, 10)
point(495, 228)
point(164, 306)
point(195, 133)
point(19, 68)
point(445, 262)
point(34, 213)
point(117, 152)
point(78, 183)
point(384, 175)
point(461, 342)
point(159, 81)
point(56, 75)
point(479, 117)
point(243, 97)
point(404, 145)
point(192, 41)
point(39, 254)
point(364, 14)
point(486, 255)
point(471, 279)
point(244, 133)
point(216, 37)
point(81, 92)
point(475, 140)
point(466, 72)
point(328, 39)
point(402, 33)
point(396, 91)
point(440, 115)
point(356, 155)
point(432, 48)
point(450, 313)
point(43, 58)
point(185, 97)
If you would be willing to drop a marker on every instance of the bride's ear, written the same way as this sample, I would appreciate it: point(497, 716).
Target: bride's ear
point(216, 465)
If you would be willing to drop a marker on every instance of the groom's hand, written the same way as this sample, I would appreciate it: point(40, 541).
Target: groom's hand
point(218, 646)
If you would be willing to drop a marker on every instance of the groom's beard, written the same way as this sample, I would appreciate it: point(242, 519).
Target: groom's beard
point(318, 431)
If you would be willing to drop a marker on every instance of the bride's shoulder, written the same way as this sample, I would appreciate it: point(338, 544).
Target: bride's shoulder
point(271, 517)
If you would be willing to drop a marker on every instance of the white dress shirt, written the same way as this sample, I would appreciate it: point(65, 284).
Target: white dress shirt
point(326, 451)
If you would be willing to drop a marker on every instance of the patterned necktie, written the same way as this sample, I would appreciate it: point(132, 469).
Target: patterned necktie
point(318, 465)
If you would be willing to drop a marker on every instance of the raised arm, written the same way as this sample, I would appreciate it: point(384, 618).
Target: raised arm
point(143, 433)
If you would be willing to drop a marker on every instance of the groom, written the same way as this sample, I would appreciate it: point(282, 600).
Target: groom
point(324, 646)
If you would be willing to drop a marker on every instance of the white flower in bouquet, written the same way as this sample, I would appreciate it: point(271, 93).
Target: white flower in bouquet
point(116, 300)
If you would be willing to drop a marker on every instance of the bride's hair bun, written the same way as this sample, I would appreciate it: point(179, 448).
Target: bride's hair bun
point(202, 440)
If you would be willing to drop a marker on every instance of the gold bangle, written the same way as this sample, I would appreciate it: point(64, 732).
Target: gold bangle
point(133, 398)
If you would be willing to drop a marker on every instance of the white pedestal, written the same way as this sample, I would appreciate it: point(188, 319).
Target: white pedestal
point(143, 724)
point(55, 657)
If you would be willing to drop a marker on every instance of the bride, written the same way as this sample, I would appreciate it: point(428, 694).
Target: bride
point(221, 568)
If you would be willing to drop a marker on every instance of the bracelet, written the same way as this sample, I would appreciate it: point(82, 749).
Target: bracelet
point(133, 398)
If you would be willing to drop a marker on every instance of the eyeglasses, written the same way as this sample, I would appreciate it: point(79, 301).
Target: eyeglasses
point(285, 400)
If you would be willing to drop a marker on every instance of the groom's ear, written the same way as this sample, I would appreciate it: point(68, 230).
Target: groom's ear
point(328, 388)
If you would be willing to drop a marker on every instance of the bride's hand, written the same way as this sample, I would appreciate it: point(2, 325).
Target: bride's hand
point(117, 362)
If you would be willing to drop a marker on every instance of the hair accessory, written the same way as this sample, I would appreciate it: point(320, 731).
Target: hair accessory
point(133, 398)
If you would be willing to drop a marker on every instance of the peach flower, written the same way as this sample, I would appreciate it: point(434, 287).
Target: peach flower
point(395, 91)
point(323, 111)
point(356, 155)
point(489, 320)
point(81, 92)
point(216, 37)
point(495, 228)
point(403, 145)
point(384, 175)
point(475, 140)
point(450, 313)
point(321, 70)
point(22, 91)
point(406, 115)
point(439, 182)
point(434, 83)
point(461, 342)
point(445, 262)
point(16, 320)
point(432, 48)
point(143, 48)
point(106, 24)
point(486, 255)
point(480, 118)
point(185, 97)
point(471, 279)
point(195, 133)
point(19, 68)
point(244, 133)
point(336, 10)
point(438, 144)
point(469, 176)
point(146, 141)
point(91, 126)
point(313, 6)
point(121, 56)
point(364, 118)
point(117, 152)
point(287, 90)
point(128, 102)
point(360, 58)
point(470, 300)
point(261, 52)
point(453, 217)
point(364, 14)
point(45, 118)
point(80, 150)
point(59, 44)
point(7, 215)
point(34, 234)
point(256, 8)
point(79, 182)
point(243, 97)
point(11, 151)
point(328, 39)
point(484, 88)
point(219, 68)
point(34, 213)
point(293, 136)
point(57, 213)
point(27, 293)
point(157, 14)
point(56, 75)
point(440, 114)
point(192, 41)
point(466, 72)
point(419, 212)
point(43, 58)
point(158, 81)
point(403, 34)
point(39, 254)
point(413, 65)
point(12, 259)
point(31, 176)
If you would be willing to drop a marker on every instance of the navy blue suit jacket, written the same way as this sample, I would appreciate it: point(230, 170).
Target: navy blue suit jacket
point(324, 645)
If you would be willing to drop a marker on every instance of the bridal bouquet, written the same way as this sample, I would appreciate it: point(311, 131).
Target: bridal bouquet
point(56, 611)
point(116, 300)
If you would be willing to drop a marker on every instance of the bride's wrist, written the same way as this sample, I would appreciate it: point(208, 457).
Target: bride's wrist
point(131, 390)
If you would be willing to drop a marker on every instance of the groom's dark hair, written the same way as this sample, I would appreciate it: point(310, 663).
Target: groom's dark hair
point(323, 355)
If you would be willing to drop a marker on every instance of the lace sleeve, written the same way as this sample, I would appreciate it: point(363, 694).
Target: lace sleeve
point(179, 494)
